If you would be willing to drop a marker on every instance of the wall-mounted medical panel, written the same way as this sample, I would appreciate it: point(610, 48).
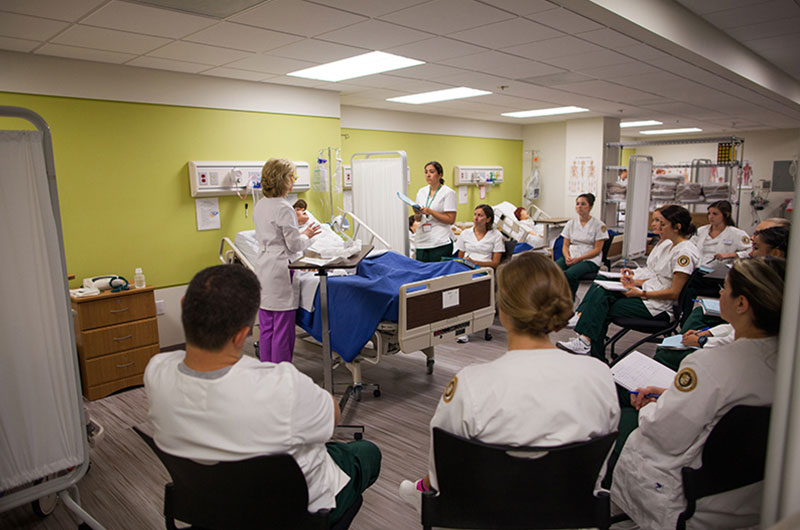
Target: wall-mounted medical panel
point(465, 175)
point(217, 178)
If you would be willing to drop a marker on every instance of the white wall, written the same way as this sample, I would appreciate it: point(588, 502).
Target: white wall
point(549, 139)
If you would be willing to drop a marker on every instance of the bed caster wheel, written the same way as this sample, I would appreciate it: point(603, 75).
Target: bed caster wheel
point(376, 392)
point(357, 393)
point(45, 506)
point(429, 366)
point(358, 435)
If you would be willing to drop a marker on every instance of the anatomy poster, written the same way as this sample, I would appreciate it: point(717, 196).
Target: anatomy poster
point(582, 175)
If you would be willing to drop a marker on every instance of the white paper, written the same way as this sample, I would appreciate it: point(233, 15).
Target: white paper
point(483, 192)
point(612, 275)
point(449, 298)
point(408, 201)
point(463, 195)
point(675, 343)
point(638, 371)
point(611, 285)
point(710, 306)
point(347, 201)
point(317, 261)
point(208, 217)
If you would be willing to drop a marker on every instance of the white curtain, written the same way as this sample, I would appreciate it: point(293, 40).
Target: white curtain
point(40, 427)
point(376, 182)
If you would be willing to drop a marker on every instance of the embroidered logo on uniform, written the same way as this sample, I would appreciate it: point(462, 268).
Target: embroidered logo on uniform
point(450, 390)
point(686, 380)
point(684, 261)
point(603, 228)
point(745, 240)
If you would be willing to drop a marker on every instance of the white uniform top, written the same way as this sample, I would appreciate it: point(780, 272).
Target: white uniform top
point(439, 233)
point(672, 431)
point(731, 239)
point(682, 257)
point(245, 410)
point(480, 250)
point(529, 397)
point(659, 253)
point(720, 336)
point(582, 238)
point(279, 242)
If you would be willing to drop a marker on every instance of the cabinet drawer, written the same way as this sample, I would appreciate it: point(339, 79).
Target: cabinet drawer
point(116, 310)
point(97, 342)
point(118, 365)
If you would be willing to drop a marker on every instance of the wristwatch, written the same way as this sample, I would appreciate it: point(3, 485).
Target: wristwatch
point(702, 339)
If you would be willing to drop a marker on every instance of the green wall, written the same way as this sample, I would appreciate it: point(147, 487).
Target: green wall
point(450, 151)
point(123, 181)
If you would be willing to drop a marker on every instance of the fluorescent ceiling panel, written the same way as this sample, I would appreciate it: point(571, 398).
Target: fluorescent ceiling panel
point(645, 123)
point(672, 131)
point(440, 95)
point(544, 112)
point(358, 66)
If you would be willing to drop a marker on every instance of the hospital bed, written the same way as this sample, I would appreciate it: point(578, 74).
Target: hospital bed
point(391, 304)
point(509, 226)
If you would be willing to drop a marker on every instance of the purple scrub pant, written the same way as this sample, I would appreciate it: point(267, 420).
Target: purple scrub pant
point(276, 335)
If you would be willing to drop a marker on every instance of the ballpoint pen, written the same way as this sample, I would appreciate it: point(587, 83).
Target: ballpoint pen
point(646, 395)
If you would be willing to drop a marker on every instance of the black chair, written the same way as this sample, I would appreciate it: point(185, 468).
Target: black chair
point(260, 492)
point(734, 456)
point(653, 328)
point(493, 486)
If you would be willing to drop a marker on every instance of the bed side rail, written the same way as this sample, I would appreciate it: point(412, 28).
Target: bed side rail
point(511, 228)
point(441, 309)
point(232, 254)
point(358, 224)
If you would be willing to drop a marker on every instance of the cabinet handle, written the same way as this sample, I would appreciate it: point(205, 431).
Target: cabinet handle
point(126, 365)
point(119, 310)
point(126, 337)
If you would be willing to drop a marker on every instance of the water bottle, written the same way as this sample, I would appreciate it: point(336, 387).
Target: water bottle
point(138, 279)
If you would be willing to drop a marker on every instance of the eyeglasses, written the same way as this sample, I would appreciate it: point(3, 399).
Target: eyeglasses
point(294, 177)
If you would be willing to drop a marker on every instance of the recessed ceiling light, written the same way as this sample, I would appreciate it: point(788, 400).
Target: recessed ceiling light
point(358, 66)
point(645, 123)
point(544, 112)
point(440, 95)
point(672, 131)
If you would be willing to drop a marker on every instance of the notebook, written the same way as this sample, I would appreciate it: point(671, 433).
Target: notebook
point(637, 370)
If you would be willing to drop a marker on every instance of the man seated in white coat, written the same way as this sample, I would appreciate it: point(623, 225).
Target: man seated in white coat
point(212, 404)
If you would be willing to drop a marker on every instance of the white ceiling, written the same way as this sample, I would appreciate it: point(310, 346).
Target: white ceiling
point(529, 53)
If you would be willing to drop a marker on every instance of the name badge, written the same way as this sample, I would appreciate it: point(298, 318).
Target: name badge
point(727, 242)
point(427, 227)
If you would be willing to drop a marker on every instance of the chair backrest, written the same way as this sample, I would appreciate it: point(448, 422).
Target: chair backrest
point(683, 305)
point(261, 492)
point(493, 486)
point(510, 246)
point(558, 246)
point(734, 455)
point(607, 248)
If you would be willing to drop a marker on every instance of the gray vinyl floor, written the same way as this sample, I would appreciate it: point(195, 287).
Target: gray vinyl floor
point(124, 487)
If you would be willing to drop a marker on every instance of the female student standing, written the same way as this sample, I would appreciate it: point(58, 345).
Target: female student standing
point(481, 244)
point(673, 429)
point(583, 243)
point(280, 241)
point(437, 202)
point(720, 239)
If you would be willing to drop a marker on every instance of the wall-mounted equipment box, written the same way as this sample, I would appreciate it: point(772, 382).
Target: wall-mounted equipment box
point(215, 178)
point(465, 175)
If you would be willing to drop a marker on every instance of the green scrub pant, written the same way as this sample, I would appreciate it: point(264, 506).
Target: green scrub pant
point(574, 272)
point(696, 320)
point(599, 307)
point(361, 460)
point(435, 254)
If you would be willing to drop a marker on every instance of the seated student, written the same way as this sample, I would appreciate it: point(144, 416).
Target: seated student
point(583, 243)
point(534, 394)
point(720, 239)
point(650, 298)
point(212, 404)
point(482, 244)
point(672, 430)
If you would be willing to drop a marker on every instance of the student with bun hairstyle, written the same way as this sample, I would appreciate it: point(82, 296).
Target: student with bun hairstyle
point(583, 243)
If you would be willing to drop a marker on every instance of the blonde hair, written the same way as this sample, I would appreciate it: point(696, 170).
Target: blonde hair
point(761, 281)
point(534, 294)
point(277, 177)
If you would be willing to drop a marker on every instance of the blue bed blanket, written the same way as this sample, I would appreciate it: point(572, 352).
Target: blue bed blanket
point(357, 304)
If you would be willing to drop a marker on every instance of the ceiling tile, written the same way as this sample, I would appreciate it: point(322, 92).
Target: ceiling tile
point(109, 39)
point(642, 52)
point(25, 27)
point(523, 7)
point(147, 20)
point(428, 71)
point(477, 80)
point(242, 37)
point(168, 64)
point(447, 16)
point(371, 8)
point(557, 79)
point(414, 86)
point(291, 81)
point(619, 70)
point(272, 65)
point(74, 52)
point(550, 48)
point(235, 73)
point(754, 13)
point(68, 10)
point(612, 92)
point(709, 6)
point(199, 53)
point(317, 51)
point(436, 49)
point(503, 64)
point(608, 38)
point(18, 45)
point(586, 60)
point(298, 17)
point(787, 43)
point(773, 28)
point(565, 20)
point(686, 110)
point(506, 33)
point(375, 35)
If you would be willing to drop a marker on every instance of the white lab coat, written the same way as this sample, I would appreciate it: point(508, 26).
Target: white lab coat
point(527, 398)
point(731, 239)
point(279, 242)
point(672, 432)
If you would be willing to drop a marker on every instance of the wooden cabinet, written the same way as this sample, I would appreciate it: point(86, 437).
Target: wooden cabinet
point(117, 333)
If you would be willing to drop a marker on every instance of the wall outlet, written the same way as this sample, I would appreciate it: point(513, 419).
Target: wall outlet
point(159, 307)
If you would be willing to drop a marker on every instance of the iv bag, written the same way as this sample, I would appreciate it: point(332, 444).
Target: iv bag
point(533, 189)
point(337, 176)
point(320, 179)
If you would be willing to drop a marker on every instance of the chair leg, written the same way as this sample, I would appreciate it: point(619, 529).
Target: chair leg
point(487, 335)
